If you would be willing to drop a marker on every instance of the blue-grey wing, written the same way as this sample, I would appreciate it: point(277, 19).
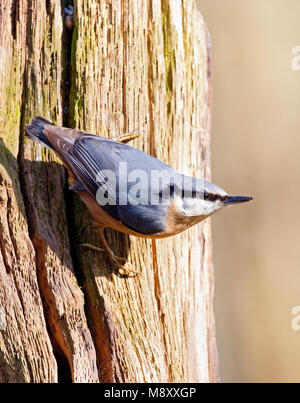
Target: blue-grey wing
point(94, 157)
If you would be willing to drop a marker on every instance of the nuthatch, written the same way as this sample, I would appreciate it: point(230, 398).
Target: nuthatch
point(127, 189)
point(69, 17)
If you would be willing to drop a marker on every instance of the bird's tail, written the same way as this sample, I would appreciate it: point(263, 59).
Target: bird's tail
point(35, 131)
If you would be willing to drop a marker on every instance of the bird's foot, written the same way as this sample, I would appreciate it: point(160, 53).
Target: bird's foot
point(91, 247)
point(119, 265)
point(125, 138)
point(117, 262)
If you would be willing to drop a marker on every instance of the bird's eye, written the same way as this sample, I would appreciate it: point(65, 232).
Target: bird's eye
point(206, 196)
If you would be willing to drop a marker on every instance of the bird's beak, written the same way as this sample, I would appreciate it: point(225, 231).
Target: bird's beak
point(237, 199)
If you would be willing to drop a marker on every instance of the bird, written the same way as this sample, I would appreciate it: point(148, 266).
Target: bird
point(127, 189)
point(69, 17)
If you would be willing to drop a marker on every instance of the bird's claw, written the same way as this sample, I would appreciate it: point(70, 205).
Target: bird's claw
point(125, 138)
point(91, 247)
point(124, 271)
point(117, 262)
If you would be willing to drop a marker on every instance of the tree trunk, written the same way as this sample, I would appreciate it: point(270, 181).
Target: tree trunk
point(127, 65)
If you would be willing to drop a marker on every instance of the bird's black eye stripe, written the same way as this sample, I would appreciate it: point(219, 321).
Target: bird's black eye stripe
point(210, 196)
point(172, 191)
point(213, 197)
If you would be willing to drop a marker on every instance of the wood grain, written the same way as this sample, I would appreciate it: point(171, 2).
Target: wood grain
point(154, 79)
point(136, 65)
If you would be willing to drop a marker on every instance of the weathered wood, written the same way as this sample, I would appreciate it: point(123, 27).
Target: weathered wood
point(35, 88)
point(144, 66)
point(43, 186)
point(136, 66)
point(25, 349)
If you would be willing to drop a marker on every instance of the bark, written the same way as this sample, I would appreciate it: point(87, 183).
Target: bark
point(127, 65)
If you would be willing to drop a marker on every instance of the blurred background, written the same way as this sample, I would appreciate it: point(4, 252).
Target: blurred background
point(256, 152)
